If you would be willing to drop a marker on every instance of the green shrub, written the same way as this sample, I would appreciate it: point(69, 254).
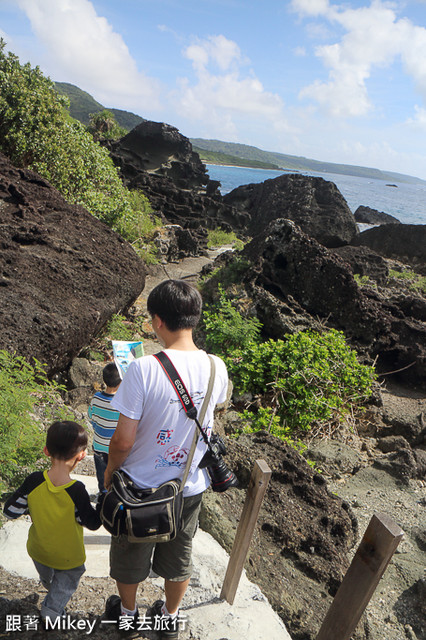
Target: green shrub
point(225, 328)
point(139, 225)
point(28, 402)
point(307, 379)
point(311, 378)
point(104, 126)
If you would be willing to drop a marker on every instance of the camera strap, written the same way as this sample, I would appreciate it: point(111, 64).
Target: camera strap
point(182, 393)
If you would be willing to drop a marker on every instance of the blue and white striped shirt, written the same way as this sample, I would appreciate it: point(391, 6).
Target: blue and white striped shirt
point(104, 420)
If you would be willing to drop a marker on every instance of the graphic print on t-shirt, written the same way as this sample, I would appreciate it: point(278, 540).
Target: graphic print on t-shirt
point(164, 436)
point(173, 457)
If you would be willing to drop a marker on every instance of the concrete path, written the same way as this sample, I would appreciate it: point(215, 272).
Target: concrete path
point(249, 618)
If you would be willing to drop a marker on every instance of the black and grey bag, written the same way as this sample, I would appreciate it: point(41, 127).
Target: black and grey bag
point(148, 515)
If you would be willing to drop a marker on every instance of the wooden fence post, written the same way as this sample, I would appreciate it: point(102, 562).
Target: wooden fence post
point(255, 493)
point(376, 549)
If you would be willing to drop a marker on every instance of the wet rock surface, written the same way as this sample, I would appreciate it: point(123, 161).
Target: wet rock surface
point(56, 288)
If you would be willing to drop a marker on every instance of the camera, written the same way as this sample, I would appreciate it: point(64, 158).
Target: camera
point(222, 478)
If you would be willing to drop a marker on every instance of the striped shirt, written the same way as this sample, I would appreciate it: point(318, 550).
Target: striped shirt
point(104, 420)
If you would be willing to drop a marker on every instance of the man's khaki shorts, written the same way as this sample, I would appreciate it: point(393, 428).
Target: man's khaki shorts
point(130, 562)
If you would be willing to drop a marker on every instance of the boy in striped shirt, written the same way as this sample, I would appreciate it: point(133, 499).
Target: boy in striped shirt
point(104, 420)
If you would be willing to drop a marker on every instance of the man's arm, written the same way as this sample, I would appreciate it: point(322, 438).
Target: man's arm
point(120, 445)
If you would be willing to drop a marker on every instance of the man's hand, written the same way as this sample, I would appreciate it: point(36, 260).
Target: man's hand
point(120, 446)
point(107, 478)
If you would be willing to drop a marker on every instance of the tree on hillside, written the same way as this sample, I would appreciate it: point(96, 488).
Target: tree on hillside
point(104, 126)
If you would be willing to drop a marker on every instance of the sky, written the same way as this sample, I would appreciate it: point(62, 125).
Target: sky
point(341, 83)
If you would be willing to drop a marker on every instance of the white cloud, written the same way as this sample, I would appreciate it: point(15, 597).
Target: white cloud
point(221, 92)
point(419, 118)
point(216, 49)
point(374, 38)
point(84, 49)
point(310, 7)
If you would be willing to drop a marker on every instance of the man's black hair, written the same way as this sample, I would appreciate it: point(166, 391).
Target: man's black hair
point(110, 375)
point(65, 439)
point(177, 303)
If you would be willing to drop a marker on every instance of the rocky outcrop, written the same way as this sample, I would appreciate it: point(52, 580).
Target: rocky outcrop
point(292, 276)
point(63, 273)
point(368, 215)
point(300, 549)
point(364, 262)
point(174, 243)
point(404, 242)
point(314, 204)
point(160, 149)
point(157, 159)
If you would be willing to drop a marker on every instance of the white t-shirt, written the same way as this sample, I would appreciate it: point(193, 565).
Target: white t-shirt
point(164, 434)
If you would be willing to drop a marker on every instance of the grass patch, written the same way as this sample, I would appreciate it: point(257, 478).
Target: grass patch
point(219, 238)
point(414, 281)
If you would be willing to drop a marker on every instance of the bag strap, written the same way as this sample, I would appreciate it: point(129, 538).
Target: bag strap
point(182, 393)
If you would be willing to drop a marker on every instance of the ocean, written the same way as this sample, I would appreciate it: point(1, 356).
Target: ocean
point(407, 202)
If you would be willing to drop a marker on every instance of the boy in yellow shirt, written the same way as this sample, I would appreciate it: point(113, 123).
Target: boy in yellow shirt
point(59, 508)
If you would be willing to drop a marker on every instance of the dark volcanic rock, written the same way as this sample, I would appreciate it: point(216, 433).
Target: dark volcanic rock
point(63, 273)
point(160, 149)
point(304, 533)
point(314, 204)
point(404, 242)
point(299, 273)
point(372, 216)
point(365, 262)
point(157, 159)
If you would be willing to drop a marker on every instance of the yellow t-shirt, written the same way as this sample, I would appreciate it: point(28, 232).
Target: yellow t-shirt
point(55, 538)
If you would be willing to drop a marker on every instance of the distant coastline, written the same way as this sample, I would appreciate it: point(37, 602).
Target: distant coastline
point(234, 154)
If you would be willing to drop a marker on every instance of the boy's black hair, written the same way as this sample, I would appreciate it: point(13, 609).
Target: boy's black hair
point(177, 303)
point(110, 375)
point(65, 439)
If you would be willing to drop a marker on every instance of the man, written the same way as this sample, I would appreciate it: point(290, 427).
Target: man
point(151, 444)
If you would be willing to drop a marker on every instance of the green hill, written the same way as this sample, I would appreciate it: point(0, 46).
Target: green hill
point(298, 163)
point(215, 157)
point(82, 104)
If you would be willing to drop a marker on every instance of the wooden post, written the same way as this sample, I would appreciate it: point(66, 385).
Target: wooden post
point(255, 493)
point(376, 549)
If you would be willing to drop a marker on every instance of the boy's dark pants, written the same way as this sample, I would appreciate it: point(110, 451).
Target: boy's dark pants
point(101, 462)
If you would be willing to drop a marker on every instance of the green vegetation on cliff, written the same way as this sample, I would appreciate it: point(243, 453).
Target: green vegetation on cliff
point(82, 105)
point(37, 132)
point(29, 402)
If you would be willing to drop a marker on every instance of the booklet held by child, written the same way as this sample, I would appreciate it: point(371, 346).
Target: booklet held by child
point(124, 353)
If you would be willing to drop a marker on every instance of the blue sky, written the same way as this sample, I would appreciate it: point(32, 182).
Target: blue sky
point(336, 82)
